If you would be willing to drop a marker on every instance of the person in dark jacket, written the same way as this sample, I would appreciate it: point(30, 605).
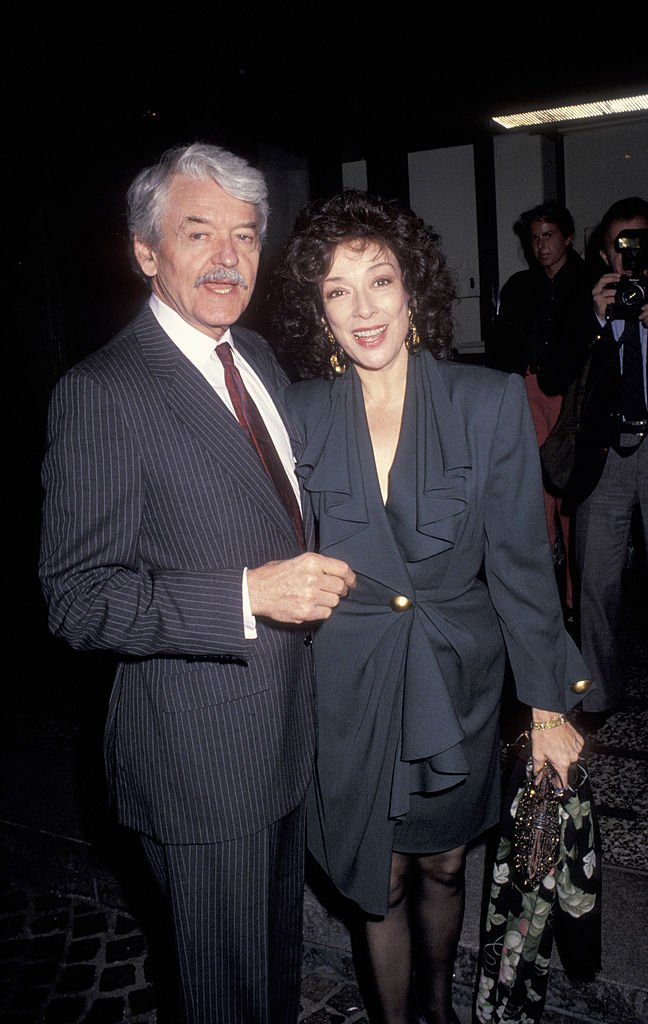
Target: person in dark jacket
point(541, 332)
point(609, 483)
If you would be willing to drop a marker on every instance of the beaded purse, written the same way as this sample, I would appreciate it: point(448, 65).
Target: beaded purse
point(536, 831)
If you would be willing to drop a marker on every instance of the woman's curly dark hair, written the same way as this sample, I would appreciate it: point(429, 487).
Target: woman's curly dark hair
point(356, 216)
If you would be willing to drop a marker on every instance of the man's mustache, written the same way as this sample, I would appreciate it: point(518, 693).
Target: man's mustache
point(221, 274)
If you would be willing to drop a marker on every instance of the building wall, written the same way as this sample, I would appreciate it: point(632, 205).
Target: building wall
point(601, 166)
point(590, 166)
point(443, 192)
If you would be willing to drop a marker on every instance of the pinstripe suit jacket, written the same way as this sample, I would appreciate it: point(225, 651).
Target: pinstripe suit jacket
point(154, 503)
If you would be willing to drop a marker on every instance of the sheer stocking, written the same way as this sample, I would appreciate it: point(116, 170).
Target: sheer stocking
point(426, 901)
point(389, 944)
point(438, 910)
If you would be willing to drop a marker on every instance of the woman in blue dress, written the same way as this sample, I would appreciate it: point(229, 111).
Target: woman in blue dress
point(424, 476)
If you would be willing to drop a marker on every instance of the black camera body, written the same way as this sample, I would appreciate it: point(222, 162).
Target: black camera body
point(632, 291)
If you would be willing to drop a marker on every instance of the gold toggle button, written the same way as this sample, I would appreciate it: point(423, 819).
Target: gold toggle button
point(581, 686)
point(399, 603)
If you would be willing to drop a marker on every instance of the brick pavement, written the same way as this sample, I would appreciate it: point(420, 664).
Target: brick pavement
point(65, 960)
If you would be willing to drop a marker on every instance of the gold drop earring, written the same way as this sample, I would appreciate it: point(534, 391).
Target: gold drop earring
point(337, 355)
point(412, 338)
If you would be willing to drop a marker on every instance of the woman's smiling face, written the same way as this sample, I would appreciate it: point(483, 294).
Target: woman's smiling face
point(366, 305)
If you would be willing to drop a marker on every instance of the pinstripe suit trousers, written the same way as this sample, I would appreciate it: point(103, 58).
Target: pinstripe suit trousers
point(236, 913)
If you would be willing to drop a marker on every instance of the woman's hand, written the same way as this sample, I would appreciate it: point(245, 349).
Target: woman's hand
point(561, 745)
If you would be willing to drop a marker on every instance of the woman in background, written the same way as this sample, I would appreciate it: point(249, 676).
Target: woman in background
point(424, 476)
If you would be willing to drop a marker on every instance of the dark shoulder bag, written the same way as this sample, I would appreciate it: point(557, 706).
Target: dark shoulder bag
point(558, 452)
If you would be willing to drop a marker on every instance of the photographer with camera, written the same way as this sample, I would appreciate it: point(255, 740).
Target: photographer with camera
point(610, 477)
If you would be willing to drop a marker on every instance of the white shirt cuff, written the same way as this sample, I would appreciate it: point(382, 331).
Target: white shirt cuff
point(249, 621)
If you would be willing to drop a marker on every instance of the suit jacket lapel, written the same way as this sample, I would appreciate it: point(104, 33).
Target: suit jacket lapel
point(195, 402)
point(338, 469)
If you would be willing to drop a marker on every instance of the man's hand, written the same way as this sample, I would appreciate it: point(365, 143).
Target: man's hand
point(643, 316)
point(302, 589)
point(603, 293)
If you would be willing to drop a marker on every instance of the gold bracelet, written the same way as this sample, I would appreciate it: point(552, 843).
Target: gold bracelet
point(551, 723)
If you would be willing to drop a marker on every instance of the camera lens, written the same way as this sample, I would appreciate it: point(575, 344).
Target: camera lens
point(631, 294)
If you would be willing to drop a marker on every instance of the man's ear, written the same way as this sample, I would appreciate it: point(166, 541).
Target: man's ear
point(604, 257)
point(145, 256)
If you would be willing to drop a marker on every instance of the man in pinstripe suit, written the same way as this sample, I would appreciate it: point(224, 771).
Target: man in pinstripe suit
point(165, 540)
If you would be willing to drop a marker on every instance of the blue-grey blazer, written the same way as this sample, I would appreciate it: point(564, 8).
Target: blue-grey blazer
point(452, 571)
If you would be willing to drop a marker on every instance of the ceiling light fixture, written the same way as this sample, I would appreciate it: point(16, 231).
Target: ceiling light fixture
point(595, 108)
